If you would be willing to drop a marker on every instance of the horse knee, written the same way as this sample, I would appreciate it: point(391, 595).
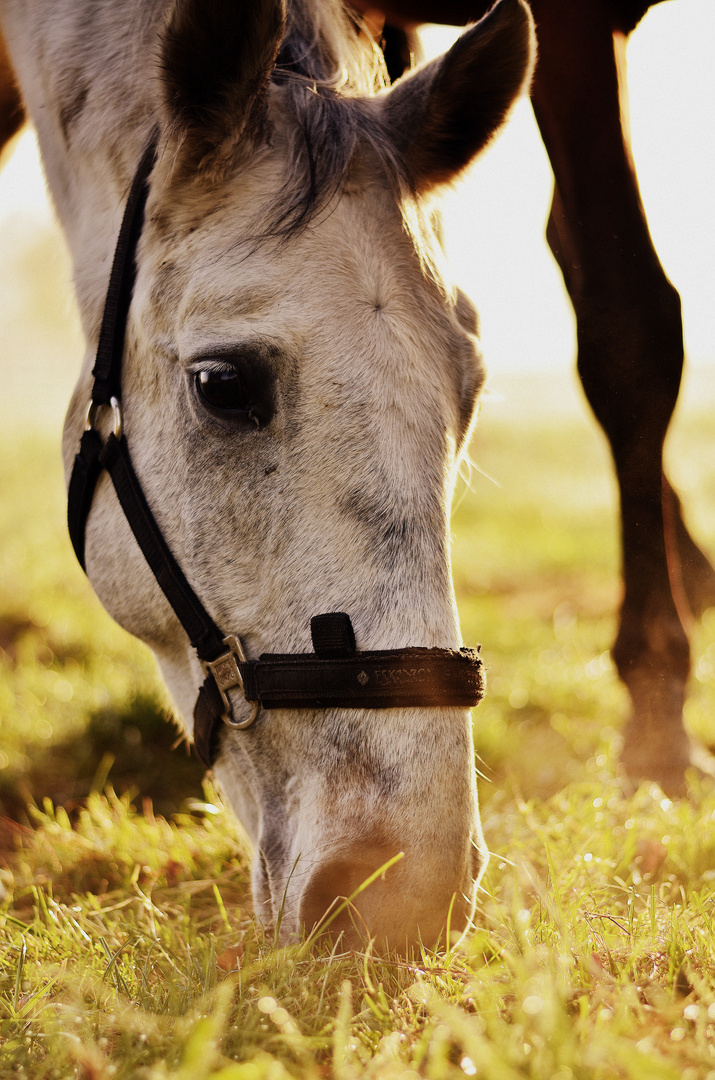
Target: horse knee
point(651, 646)
point(630, 360)
point(557, 239)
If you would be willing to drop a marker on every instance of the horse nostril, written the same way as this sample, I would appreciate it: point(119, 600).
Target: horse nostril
point(323, 894)
point(395, 910)
point(323, 901)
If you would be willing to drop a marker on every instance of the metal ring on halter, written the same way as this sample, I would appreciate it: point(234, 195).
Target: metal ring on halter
point(244, 723)
point(94, 410)
point(227, 675)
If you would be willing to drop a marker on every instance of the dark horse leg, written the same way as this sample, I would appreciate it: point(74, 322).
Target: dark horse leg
point(12, 114)
point(630, 356)
point(630, 349)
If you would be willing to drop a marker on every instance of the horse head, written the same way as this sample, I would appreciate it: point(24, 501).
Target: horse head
point(299, 383)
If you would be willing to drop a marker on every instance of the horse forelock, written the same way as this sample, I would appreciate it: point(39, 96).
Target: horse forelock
point(324, 44)
point(329, 139)
point(327, 131)
point(327, 71)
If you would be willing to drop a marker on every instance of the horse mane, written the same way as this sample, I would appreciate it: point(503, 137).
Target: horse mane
point(324, 44)
point(327, 68)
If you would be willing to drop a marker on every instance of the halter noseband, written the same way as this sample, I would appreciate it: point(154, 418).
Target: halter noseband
point(336, 674)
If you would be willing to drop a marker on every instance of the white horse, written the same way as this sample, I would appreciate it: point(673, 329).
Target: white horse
point(299, 380)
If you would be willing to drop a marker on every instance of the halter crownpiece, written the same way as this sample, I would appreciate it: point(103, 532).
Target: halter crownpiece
point(336, 674)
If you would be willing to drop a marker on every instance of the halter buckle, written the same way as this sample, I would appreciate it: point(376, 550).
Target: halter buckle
point(227, 676)
point(94, 409)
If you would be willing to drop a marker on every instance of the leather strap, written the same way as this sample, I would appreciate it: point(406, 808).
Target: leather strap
point(85, 474)
point(208, 722)
point(388, 679)
point(107, 371)
point(336, 675)
point(202, 631)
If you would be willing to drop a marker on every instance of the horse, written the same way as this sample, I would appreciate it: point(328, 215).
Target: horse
point(630, 345)
point(292, 380)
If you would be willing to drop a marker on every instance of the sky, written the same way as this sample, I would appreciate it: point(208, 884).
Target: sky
point(495, 218)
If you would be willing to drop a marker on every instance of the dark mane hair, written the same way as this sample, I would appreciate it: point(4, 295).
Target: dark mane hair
point(326, 68)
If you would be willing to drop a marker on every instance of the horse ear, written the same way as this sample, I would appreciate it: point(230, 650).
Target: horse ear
point(445, 112)
point(216, 59)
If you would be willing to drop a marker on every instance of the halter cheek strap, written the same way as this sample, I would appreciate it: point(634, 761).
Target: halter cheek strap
point(336, 674)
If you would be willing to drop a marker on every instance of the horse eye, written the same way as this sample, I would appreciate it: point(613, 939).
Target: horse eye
point(223, 390)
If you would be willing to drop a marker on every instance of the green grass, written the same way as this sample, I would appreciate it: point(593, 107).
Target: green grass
point(127, 947)
point(126, 943)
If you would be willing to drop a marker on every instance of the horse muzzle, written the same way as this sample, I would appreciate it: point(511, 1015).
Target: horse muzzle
point(370, 891)
point(374, 894)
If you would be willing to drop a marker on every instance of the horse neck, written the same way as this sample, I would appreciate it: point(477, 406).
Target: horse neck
point(85, 74)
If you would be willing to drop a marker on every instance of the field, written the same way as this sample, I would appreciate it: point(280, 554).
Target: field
point(127, 947)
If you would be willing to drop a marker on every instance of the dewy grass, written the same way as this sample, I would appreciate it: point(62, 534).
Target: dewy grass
point(585, 963)
point(127, 945)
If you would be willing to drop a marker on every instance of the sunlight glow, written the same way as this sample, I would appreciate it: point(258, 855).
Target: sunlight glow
point(495, 219)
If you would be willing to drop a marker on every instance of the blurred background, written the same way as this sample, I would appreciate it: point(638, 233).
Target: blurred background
point(536, 561)
point(495, 222)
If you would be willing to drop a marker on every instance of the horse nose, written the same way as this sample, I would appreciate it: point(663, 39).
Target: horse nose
point(400, 908)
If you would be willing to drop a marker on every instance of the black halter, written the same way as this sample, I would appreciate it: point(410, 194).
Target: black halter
point(336, 674)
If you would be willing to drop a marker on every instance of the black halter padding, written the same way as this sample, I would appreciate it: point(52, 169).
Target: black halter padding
point(336, 675)
point(387, 679)
point(346, 679)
